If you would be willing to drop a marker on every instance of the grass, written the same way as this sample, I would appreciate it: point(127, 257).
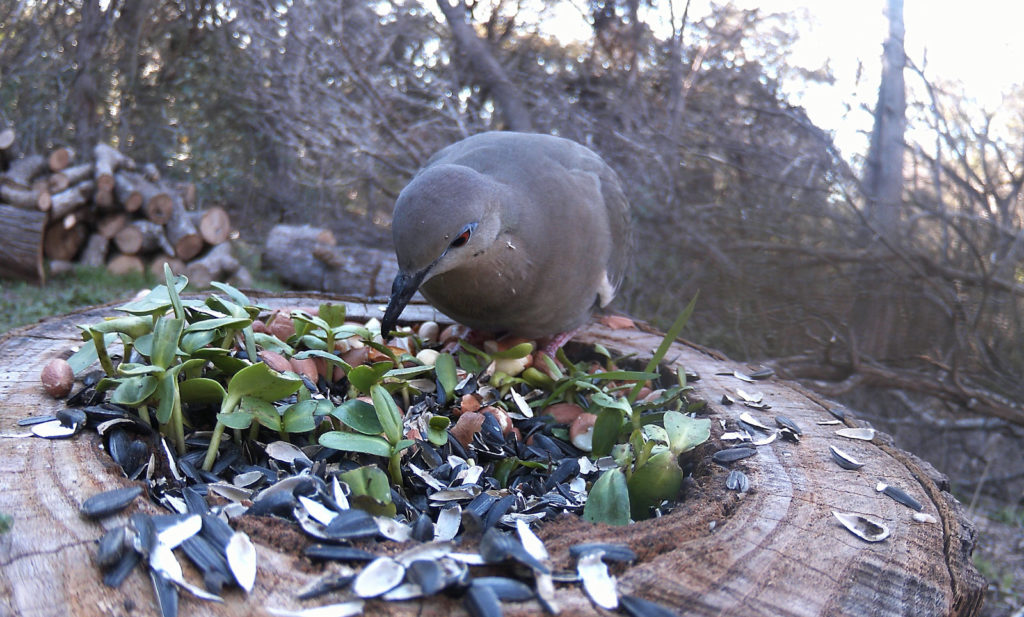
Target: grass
point(23, 303)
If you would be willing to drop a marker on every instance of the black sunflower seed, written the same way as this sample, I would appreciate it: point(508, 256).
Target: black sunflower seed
point(71, 417)
point(481, 601)
point(498, 510)
point(423, 528)
point(112, 547)
point(110, 502)
point(506, 589)
point(351, 524)
point(785, 422)
point(120, 571)
point(638, 607)
point(280, 503)
point(331, 552)
point(35, 420)
point(902, 497)
point(737, 481)
point(612, 552)
point(731, 455)
point(428, 574)
point(166, 594)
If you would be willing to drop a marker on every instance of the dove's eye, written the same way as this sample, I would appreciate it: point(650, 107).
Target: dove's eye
point(463, 237)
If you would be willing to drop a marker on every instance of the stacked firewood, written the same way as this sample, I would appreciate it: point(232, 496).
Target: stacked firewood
point(103, 209)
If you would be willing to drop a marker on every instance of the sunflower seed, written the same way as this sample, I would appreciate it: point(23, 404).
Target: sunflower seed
point(120, 571)
point(392, 529)
point(866, 528)
point(333, 552)
point(899, 495)
point(844, 460)
point(731, 455)
point(737, 481)
point(611, 552)
point(287, 452)
point(112, 547)
point(379, 577)
point(53, 429)
point(110, 502)
point(864, 434)
point(533, 545)
point(638, 607)
point(176, 533)
point(922, 517)
point(241, 556)
point(166, 594)
point(448, 521)
point(785, 422)
point(507, 589)
point(405, 591)
point(427, 574)
point(482, 601)
point(598, 584)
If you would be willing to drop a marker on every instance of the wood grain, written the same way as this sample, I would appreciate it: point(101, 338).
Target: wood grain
point(775, 551)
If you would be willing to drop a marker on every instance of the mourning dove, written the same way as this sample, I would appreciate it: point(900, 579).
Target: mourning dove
point(511, 232)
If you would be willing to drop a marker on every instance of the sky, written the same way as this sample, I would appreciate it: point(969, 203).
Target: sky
point(982, 47)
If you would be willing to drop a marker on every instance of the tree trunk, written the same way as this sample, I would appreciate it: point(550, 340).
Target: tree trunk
point(142, 237)
point(216, 265)
point(876, 313)
point(182, 234)
point(214, 224)
point(21, 243)
point(486, 68)
point(776, 551)
point(126, 264)
point(63, 242)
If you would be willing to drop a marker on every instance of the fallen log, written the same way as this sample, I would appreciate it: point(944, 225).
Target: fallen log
point(142, 237)
point(63, 243)
point(214, 224)
point(109, 225)
point(27, 199)
point(775, 551)
point(95, 251)
point(181, 233)
point(60, 158)
point(126, 264)
point(127, 191)
point(107, 161)
point(23, 171)
point(70, 199)
point(156, 266)
point(218, 264)
point(61, 180)
point(21, 243)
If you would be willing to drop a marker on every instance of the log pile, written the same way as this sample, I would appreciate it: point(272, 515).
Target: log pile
point(101, 208)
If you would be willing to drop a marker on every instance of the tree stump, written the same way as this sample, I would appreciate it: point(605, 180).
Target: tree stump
point(776, 550)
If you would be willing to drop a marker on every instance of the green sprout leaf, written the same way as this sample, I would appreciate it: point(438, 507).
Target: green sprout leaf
point(685, 433)
point(657, 480)
point(387, 412)
point(437, 430)
point(608, 501)
point(371, 490)
point(360, 416)
point(157, 301)
point(606, 431)
point(262, 411)
point(514, 353)
point(165, 342)
point(134, 391)
point(260, 381)
point(239, 420)
point(332, 314)
point(447, 377)
point(364, 377)
point(298, 418)
point(355, 442)
point(202, 391)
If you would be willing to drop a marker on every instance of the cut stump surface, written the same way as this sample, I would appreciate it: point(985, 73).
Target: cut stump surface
point(774, 551)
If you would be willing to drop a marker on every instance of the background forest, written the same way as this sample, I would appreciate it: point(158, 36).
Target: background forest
point(890, 280)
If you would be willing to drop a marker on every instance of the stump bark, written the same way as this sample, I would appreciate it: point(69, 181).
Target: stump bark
point(775, 551)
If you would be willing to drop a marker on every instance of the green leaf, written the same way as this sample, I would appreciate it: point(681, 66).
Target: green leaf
point(272, 343)
point(134, 391)
point(332, 314)
point(602, 350)
point(606, 431)
point(172, 291)
point(364, 377)
point(553, 370)
point(685, 433)
point(132, 326)
point(355, 442)
point(298, 418)
point(608, 501)
point(156, 301)
point(444, 368)
point(240, 298)
point(260, 381)
point(237, 419)
point(670, 336)
point(514, 353)
point(401, 445)
point(360, 416)
point(625, 375)
point(371, 490)
point(234, 323)
point(194, 341)
point(387, 412)
point(229, 365)
point(310, 320)
point(131, 369)
point(437, 430)
point(406, 372)
point(201, 390)
point(263, 411)
point(165, 341)
point(657, 480)
point(470, 363)
point(86, 354)
point(166, 392)
point(610, 402)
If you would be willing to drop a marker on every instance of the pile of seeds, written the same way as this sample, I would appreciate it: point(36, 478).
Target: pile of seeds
point(465, 499)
